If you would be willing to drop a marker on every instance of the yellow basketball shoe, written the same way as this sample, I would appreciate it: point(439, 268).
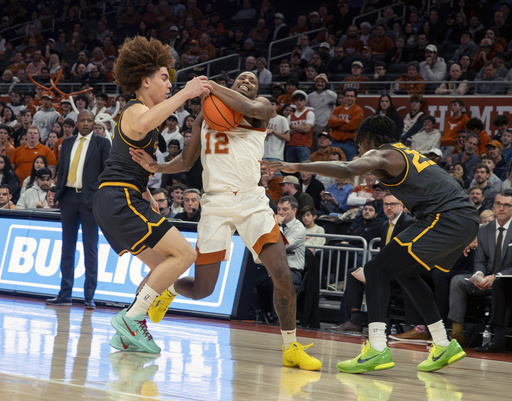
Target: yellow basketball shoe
point(159, 307)
point(296, 355)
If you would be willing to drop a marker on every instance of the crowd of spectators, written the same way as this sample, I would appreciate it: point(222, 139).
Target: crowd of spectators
point(445, 50)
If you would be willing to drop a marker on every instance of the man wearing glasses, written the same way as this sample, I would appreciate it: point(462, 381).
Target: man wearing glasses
point(397, 221)
point(493, 257)
point(338, 64)
point(162, 197)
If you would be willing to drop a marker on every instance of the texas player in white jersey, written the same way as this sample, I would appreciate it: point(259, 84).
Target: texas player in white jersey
point(233, 200)
point(231, 159)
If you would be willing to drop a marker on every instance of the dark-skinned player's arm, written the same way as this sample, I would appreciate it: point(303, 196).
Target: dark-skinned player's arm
point(370, 161)
point(183, 162)
point(259, 108)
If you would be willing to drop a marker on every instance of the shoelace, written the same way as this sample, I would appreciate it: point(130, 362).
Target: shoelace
point(366, 347)
point(432, 351)
point(144, 328)
point(300, 347)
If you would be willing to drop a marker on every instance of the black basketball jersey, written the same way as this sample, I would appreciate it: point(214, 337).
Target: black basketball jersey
point(120, 167)
point(423, 186)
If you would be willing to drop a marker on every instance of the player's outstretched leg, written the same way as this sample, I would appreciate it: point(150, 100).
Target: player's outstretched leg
point(367, 361)
point(273, 257)
point(440, 357)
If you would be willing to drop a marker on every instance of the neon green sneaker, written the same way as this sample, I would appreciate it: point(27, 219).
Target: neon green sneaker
point(440, 357)
point(368, 360)
point(159, 307)
point(296, 356)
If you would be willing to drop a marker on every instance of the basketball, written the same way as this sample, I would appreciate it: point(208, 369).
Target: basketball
point(219, 116)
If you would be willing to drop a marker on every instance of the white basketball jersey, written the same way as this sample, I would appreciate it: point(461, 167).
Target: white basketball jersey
point(231, 159)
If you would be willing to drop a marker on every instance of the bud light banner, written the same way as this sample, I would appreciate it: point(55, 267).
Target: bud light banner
point(30, 262)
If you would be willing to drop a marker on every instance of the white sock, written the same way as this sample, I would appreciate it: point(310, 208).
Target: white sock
point(377, 336)
point(143, 301)
point(289, 337)
point(439, 336)
point(172, 290)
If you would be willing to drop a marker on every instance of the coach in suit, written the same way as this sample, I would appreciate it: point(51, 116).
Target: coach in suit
point(501, 287)
point(82, 159)
point(493, 255)
point(397, 221)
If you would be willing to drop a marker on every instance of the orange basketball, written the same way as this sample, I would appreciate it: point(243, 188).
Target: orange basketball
point(219, 116)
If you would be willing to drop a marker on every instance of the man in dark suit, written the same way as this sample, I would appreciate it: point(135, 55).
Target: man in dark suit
point(502, 287)
point(493, 255)
point(82, 159)
point(397, 221)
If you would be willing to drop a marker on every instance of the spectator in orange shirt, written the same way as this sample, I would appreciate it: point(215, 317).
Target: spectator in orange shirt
point(361, 194)
point(17, 63)
point(324, 149)
point(68, 127)
point(301, 27)
point(6, 147)
point(287, 98)
point(344, 123)
point(405, 83)
point(204, 44)
point(380, 43)
point(453, 124)
point(108, 47)
point(354, 81)
point(23, 157)
point(352, 43)
point(270, 181)
point(476, 126)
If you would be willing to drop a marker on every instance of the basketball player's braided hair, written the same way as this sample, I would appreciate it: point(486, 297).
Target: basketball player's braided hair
point(140, 58)
point(378, 128)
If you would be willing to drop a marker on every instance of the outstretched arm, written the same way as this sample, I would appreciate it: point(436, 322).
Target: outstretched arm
point(389, 162)
point(183, 162)
point(140, 119)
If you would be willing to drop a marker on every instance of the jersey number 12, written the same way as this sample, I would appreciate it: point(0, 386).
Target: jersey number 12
point(221, 143)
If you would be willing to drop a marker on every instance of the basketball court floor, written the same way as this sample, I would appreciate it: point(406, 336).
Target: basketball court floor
point(62, 354)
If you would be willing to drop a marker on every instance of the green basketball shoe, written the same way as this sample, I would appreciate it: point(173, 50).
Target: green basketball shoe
point(368, 360)
point(441, 357)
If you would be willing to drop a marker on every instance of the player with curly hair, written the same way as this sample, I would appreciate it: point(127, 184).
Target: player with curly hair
point(123, 205)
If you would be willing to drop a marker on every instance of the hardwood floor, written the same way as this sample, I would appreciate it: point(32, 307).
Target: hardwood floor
point(62, 353)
